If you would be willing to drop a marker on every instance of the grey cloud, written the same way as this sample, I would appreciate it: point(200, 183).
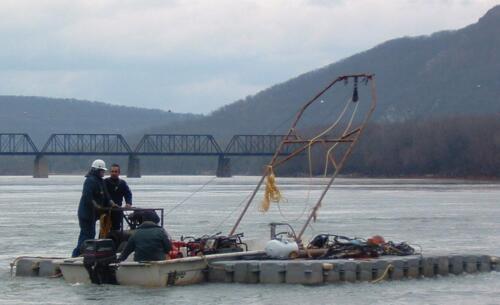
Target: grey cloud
point(195, 55)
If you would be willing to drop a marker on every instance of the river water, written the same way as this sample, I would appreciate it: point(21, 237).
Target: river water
point(38, 217)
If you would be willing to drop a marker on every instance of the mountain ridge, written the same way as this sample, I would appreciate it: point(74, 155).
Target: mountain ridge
point(41, 116)
point(455, 72)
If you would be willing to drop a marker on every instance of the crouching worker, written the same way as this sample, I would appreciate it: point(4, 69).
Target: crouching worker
point(149, 242)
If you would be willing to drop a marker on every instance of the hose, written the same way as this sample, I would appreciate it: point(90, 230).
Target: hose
point(382, 277)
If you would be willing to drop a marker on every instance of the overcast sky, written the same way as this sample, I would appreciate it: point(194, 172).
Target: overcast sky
point(196, 55)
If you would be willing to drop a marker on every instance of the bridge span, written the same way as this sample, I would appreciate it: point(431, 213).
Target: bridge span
point(65, 144)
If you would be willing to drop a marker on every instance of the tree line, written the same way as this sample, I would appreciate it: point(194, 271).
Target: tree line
point(460, 146)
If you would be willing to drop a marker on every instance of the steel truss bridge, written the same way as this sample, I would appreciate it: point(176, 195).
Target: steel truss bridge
point(64, 144)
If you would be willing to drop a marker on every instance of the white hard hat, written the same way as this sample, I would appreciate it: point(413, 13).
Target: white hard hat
point(99, 164)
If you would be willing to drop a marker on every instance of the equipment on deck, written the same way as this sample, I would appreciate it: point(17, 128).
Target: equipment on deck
point(400, 249)
point(283, 244)
point(336, 246)
point(282, 249)
point(211, 244)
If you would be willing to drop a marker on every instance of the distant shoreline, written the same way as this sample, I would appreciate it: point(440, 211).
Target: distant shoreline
point(348, 176)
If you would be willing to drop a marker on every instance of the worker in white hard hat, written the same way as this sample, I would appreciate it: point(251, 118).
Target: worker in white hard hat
point(94, 193)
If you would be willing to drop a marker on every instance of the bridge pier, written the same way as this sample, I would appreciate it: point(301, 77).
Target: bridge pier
point(41, 167)
point(223, 167)
point(134, 167)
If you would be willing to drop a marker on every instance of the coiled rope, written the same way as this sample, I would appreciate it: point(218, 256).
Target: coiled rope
point(272, 193)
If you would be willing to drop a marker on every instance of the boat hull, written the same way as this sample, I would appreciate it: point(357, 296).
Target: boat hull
point(182, 271)
point(161, 275)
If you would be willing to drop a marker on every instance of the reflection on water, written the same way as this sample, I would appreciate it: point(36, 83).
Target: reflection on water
point(38, 217)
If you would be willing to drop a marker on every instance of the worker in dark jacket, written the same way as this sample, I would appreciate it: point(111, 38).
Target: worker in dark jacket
point(118, 190)
point(149, 242)
point(94, 193)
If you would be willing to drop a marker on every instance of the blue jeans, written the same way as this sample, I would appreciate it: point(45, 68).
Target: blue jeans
point(87, 231)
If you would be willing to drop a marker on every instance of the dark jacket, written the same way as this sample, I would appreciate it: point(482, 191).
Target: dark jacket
point(150, 243)
point(93, 190)
point(118, 189)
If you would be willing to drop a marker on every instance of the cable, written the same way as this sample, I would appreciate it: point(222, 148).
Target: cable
point(291, 220)
point(334, 125)
point(232, 212)
point(382, 277)
point(343, 134)
point(282, 123)
point(327, 130)
point(190, 195)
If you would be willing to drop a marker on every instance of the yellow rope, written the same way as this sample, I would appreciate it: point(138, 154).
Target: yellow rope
point(335, 145)
point(382, 277)
point(272, 193)
point(327, 130)
point(104, 224)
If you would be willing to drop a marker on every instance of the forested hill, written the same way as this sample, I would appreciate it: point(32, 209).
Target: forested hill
point(446, 73)
point(39, 117)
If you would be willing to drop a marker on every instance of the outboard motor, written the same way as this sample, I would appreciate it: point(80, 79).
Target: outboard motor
point(98, 254)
